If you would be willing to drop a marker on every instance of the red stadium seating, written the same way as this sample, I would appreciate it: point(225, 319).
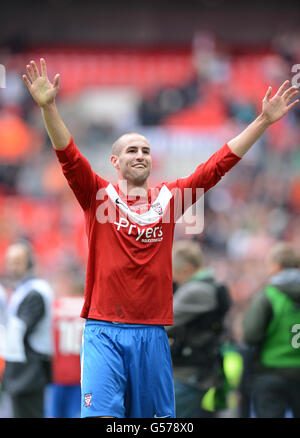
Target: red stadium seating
point(142, 69)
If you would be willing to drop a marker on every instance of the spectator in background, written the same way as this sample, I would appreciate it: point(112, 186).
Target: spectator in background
point(270, 324)
point(240, 109)
point(211, 65)
point(28, 343)
point(198, 333)
point(67, 327)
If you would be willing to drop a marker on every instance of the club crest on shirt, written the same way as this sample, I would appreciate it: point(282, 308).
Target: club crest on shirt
point(157, 208)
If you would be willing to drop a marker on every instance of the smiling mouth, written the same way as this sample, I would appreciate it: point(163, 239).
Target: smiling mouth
point(139, 166)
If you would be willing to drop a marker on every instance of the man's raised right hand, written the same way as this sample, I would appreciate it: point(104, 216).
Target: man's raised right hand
point(39, 86)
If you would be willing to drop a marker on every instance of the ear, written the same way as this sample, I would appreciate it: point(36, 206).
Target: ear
point(114, 159)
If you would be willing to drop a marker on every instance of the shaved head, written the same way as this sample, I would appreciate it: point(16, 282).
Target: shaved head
point(131, 158)
point(120, 142)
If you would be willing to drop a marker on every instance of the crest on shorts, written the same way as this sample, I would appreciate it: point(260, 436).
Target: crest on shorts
point(87, 400)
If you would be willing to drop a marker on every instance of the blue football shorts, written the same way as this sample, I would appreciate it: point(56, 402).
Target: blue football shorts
point(126, 371)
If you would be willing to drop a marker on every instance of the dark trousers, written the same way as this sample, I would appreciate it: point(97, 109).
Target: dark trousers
point(29, 405)
point(273, 395)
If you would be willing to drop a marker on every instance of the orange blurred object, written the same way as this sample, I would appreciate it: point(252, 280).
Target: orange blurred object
point(2, 367)
point(15, 137)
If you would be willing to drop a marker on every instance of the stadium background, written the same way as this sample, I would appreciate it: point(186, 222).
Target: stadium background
point(189, 75)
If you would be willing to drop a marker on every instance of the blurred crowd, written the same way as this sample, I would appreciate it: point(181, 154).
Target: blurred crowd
point(256, 205)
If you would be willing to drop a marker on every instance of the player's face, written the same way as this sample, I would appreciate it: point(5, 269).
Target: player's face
point(134, 161)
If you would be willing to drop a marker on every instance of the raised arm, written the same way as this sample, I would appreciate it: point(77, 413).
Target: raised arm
point(273, 109)
point(44, 93)
point(76, 168)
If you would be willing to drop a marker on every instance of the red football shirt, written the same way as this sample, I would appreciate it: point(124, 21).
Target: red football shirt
point(129, 269)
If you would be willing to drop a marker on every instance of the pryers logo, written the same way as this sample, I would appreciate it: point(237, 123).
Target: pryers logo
point(145, 235)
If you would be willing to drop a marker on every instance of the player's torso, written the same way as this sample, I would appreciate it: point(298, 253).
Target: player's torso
point(130, 258)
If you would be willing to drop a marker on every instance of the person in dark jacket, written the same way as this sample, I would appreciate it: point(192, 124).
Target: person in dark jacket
point(28, 342)
point(200, 305)
point(271, 325)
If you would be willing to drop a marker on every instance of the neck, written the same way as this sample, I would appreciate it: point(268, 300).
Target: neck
point(132, 190)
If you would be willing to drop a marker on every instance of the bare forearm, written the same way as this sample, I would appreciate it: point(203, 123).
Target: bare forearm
point(243, 142)
point(58, 132)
